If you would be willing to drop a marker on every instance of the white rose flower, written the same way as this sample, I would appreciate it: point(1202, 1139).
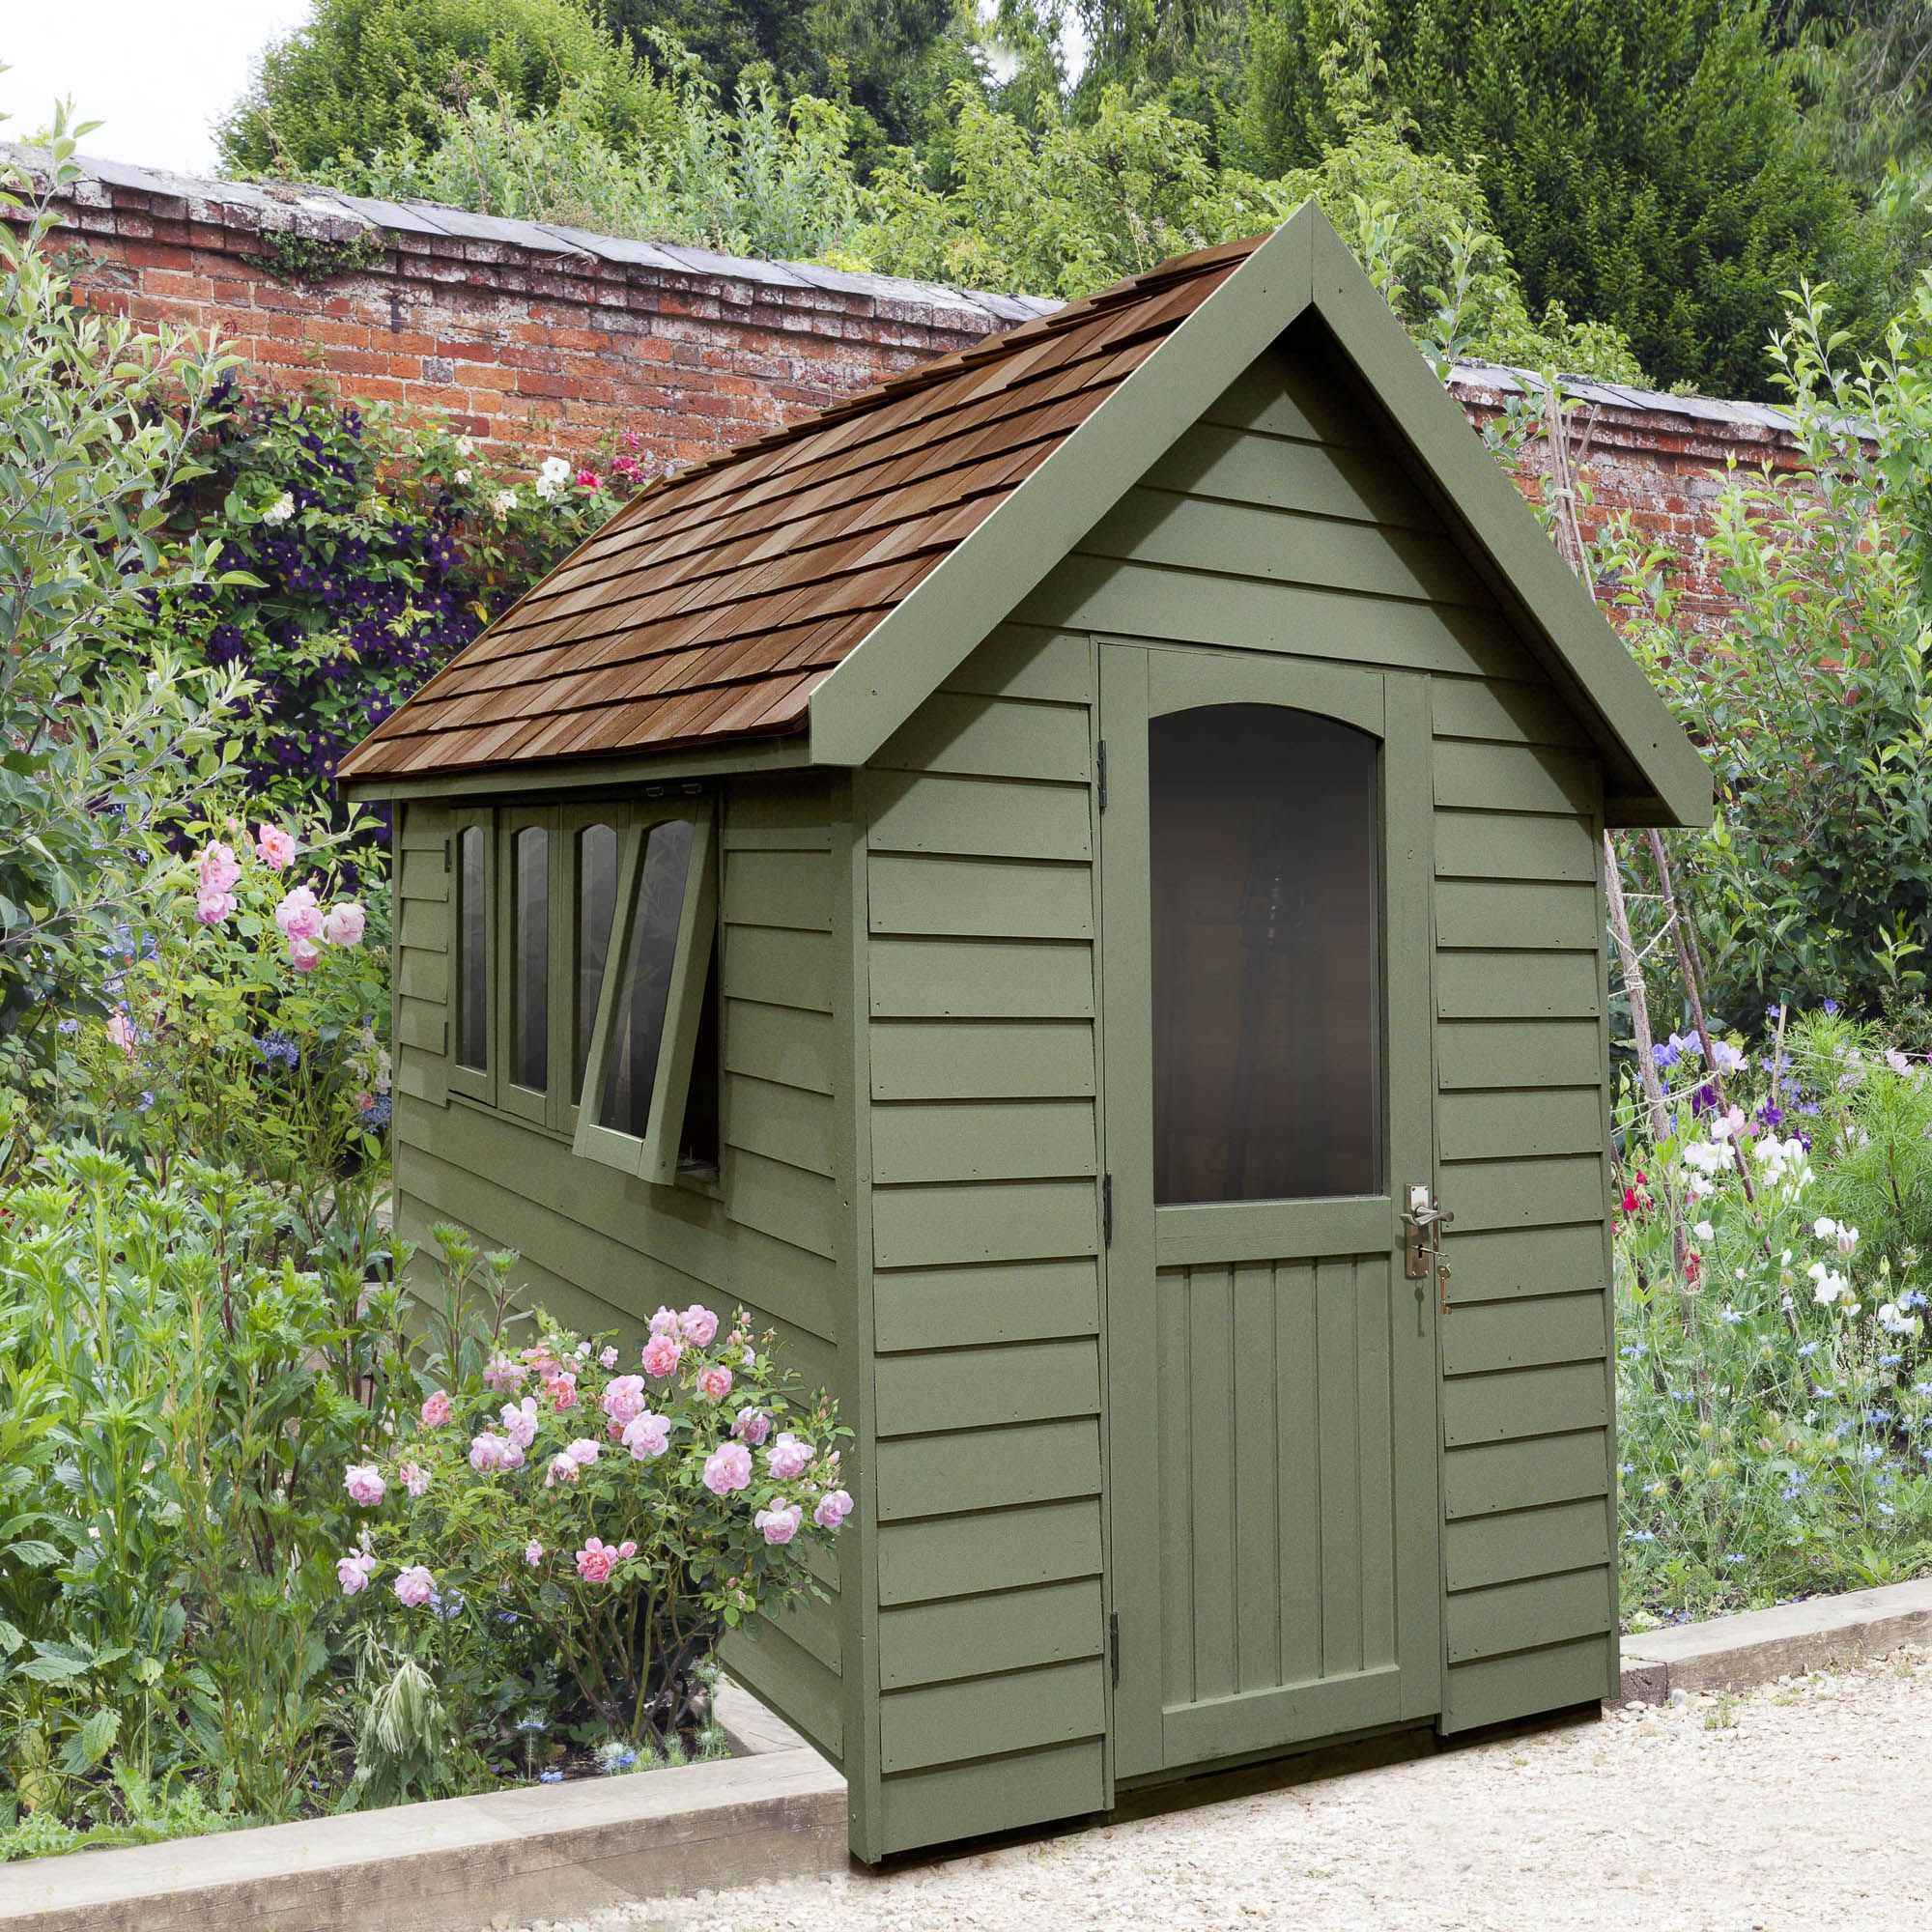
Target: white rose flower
point(504, 502)
point(465, 446)
point(463, 476)
point(280, 510)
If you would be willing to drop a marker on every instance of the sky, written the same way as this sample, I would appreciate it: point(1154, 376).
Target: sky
point(156, 73)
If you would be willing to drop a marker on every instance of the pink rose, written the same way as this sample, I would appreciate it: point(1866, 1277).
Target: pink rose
point(607, 1357)
point(415, 1586)
point(787, 1457)
point(561, 1388)
point(596, 1560)
point(415, 1478)
point(623, 1398)
point(298, 915)
point(520, 1421)
point(211, 908)
point(435, 1409)
point(274, 847)
point(661, 1355)
point(727, 1468)
point(587, 479)
point(343, 925)
point(647, 1434)
point(564, 1468)
point(502, 1372)
point(626, 1550)
point(364, 1482)
point(120, 1030)
point(352, 1572)
point(667, 1321)
point(489, 1451)
point(700, 1325)
point(533, 1552)
point(218, 869)
point(583, 1451)
point(305, 954)
point(833, 1507)
point(752, 1426)
point(714, 1383)
point(780, 1526)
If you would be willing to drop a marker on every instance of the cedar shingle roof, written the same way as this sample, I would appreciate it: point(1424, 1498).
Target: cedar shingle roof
point(710, 605)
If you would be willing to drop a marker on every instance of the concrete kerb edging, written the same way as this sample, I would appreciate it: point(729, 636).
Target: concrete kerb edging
point(776, 1810)
point(1735, 1653)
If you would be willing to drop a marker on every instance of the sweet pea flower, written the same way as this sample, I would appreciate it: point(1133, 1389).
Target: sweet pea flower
point(564, 1468)
point(364, 1482)
point(833, 1507)
point(607, 1357)
point(353, 1571)
point(727, 1468)
point(305, 954)
point(120, 1030)
point(520, 1421)
point(700, 1325)
point(533, 1552)
point(415, 1478)
point(714, 1383)
point(596, 1560)
point(661, 1355)
point(780, 1526)
point(787, 1457)
point(435, 1409)
point(415, 1586)
point(752, 1426)
point(274, 847)
point(298, 914)
point(623, 1398)
point(343, 925)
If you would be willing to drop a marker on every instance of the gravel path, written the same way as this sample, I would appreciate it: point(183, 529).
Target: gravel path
point(1798, 1806)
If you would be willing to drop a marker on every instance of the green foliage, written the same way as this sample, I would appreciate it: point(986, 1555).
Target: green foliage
point(99, 737)
point(1809, 696)
point(1647, 165)
point(362, 74)
point(1774, 1396)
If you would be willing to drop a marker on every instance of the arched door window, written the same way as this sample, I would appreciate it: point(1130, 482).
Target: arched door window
point(1265, 961)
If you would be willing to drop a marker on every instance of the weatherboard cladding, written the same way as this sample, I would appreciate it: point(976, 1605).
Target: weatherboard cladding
point(713, 604)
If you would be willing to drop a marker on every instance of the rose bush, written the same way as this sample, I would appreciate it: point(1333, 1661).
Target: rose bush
point(625, 1515)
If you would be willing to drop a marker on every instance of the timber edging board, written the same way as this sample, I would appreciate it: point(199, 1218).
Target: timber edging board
point(542, 1852)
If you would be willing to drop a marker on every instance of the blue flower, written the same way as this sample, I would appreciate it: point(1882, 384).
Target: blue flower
point(1641, 1536)
point(1890, 1361)
point(143, 1101)
point(1734, 1558)
point(1807, 1349)
point(1632, 1352)
point(1830, 1009)
point(67, 1026)
point(1870, 1453)
point(549, 1777)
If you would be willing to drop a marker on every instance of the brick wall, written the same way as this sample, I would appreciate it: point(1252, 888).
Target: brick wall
point(541, 339)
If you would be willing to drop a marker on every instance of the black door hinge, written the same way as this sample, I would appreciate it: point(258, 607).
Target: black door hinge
point(1100, 772)
point(446, 844)
point(1106, 1211)
point(1114, 1646)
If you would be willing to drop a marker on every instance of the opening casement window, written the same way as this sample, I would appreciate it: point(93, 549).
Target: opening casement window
point(585, 977)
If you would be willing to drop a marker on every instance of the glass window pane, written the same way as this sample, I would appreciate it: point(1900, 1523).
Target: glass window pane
point(596, 908)
point(697, 1144)
point(1266, 954)
point(649, 947)
point(529, 1007)
point(472, 944)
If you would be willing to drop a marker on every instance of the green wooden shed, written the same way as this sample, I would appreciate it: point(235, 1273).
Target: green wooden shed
point(1040, 881)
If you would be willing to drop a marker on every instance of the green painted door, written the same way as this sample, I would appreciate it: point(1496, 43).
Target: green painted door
point(1265, 872)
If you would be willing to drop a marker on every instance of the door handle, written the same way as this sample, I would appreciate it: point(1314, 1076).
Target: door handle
point(1425, 1220)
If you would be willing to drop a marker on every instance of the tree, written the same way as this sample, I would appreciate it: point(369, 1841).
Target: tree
point(367, 75)
point(1646, 161)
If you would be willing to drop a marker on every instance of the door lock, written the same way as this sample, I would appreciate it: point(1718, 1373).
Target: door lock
point(1425, 1221)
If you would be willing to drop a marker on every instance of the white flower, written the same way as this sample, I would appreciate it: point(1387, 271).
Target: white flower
point(1848, 1239)
point(1895, 1321)
point(280, 510)
point(465, 446)
point(1827, 1284)
point(1824, 1227)
point(463, 476)
point(504, 502)
point(1708, 1157)
point(1703, 1231)
point(1726, 1058)
point(551, 478)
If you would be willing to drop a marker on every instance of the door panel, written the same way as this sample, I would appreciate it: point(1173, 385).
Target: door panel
point(1272, 1372)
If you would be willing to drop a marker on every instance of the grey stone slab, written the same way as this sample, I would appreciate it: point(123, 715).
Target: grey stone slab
point(539, 1851)
point(612, 247)
point(419, 218)
point(732, 268)
point(1733, 1653)
point(466, 224)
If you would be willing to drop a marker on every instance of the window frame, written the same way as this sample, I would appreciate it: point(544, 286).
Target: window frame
point(654, 1157)
point(474, 1083)
point(537, 1105)
point(574, 821)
